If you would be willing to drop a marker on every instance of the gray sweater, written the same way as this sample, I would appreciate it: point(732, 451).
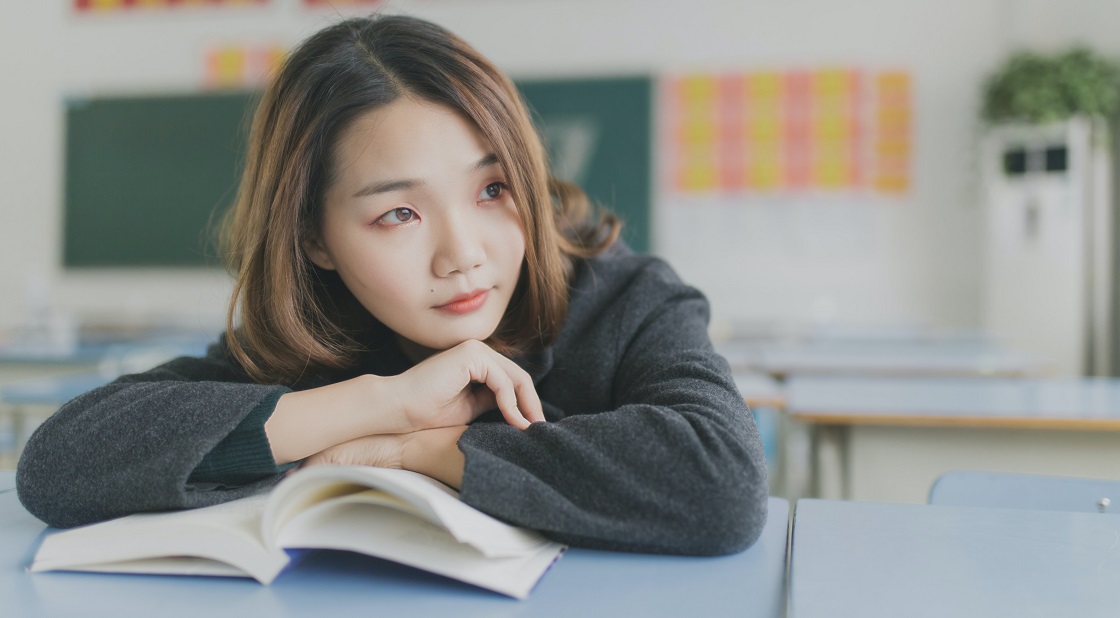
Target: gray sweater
point(649, 447)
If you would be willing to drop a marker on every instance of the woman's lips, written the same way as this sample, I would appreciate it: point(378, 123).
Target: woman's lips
point(465, 303)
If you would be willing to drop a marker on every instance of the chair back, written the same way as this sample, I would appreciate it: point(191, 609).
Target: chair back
point(1026, 491)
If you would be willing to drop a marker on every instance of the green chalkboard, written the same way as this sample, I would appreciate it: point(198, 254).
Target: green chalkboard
point(147, 177)
point(598, 136)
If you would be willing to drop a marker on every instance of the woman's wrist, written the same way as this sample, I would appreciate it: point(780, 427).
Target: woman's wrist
point(435, 453)
point(307, 422)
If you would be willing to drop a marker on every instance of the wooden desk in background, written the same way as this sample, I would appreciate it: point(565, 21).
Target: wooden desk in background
point(889, 438)
point(872, 560)
point(961, 359)
point(767, 400)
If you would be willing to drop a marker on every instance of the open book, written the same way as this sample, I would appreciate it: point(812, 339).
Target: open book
point(393, 514)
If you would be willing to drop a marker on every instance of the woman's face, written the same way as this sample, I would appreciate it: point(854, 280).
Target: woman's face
point(420, 225)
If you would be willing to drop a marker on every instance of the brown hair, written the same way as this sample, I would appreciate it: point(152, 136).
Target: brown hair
point(297, 319)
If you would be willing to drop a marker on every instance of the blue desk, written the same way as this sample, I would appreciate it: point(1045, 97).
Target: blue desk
point(114, 360)
point(20, 400)
point(1065, 403)
point(582, 583)
point(23, 404)
point(866, 560)
point(888, 439)
point(82, 354)
point(52, 391)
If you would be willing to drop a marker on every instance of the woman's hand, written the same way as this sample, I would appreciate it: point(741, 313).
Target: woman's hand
point(457, 385)
point(433, 452)
point(383, 451)
point(449, 389)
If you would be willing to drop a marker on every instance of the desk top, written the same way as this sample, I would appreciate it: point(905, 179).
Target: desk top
point(798, 331)
point(582, 582)
point(979, 358)
point(1017, 403)
point(82, 354)
point(115, 360)
point(760, 390)
point(871, 559)
point(52, 391)
point(88, 352)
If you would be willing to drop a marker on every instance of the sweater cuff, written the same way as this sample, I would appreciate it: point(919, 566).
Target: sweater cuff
point(245, 454)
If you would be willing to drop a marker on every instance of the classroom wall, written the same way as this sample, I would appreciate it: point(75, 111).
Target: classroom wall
point(907, 259)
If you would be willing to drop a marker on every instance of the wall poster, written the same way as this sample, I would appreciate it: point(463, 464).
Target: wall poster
point(805, 130)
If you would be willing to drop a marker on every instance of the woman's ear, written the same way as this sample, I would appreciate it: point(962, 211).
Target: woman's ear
point(318, 255)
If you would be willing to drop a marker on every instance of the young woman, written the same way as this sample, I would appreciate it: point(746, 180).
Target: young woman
point(414, 291)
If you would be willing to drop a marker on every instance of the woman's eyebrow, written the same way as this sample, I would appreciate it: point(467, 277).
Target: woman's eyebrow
point(408, 184)
point(388, 186)
point(485, 162)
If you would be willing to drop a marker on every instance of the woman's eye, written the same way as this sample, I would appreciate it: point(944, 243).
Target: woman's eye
point(493, 191)
point(397, 216)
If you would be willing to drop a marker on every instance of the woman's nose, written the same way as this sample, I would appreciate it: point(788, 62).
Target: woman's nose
point(460, 249)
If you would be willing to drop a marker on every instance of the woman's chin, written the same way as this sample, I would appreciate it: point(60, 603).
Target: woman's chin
point(423, 347)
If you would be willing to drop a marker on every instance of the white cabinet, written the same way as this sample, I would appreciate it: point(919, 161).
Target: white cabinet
point(1048, 271)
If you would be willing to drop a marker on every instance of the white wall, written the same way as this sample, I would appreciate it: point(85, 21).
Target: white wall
point(903, 260)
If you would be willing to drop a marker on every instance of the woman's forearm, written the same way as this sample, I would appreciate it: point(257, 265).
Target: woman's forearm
point(307, 422)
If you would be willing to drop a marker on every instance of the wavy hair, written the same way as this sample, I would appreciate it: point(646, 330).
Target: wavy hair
point(297, 319)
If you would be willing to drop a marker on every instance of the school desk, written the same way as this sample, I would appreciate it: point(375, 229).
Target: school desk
point(21, 362)
point(25, 353)
point(581, 583)
point(24, 401)
point(24, 404)
point(1039, 492)
point(898, 334)
point(760, 390)
point(793, 331)
point(890, 438)
point(767, 400)
point(871, 560)
point(781, 360)
point(90, 351)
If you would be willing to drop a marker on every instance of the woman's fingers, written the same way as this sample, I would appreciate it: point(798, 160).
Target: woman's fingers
point(456, 386)
point(494, 376)
point(513, 388)
point(528, 401)
point(481, 400)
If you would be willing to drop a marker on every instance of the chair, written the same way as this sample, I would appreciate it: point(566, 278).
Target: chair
point(1026, 491)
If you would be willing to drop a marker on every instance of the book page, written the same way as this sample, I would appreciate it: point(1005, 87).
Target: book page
point(426, 497)
point(152, 543)
point(366, 523)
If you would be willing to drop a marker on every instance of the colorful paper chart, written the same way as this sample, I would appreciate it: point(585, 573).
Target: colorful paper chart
point(241, 66)
point(116, 5)
point(340, 2)
point(892, 132)
point(791, 130)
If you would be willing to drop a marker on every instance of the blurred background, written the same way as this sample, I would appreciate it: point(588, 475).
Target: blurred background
point(920, 188)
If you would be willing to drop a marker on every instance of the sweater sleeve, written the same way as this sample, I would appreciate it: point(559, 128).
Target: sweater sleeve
point(139, 444)
point(245, 455)
point(674, 466)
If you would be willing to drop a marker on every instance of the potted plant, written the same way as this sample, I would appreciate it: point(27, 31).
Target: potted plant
point(1041, 89)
